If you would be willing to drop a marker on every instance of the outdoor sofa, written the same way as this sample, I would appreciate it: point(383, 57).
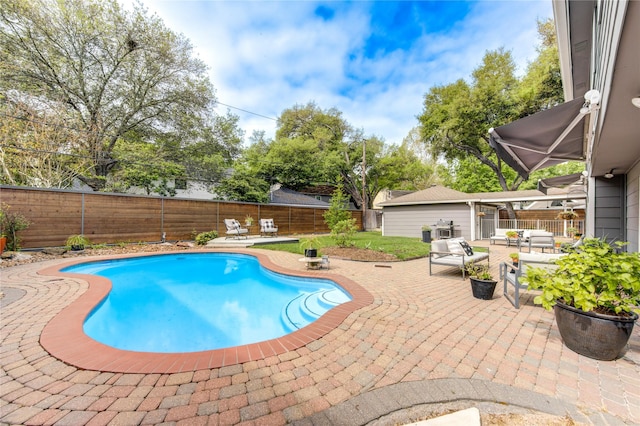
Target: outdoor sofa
point(455, 252)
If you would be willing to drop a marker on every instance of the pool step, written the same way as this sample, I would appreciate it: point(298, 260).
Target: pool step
point(307, 308)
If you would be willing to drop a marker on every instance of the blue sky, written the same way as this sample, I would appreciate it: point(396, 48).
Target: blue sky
point(374, 61)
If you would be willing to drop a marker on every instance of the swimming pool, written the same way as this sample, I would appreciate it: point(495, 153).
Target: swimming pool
point(219, 300)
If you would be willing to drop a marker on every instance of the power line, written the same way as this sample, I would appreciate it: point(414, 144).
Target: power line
point(248, 112)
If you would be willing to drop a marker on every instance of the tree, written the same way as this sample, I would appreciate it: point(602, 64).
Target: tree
point(33, 146)
point(142, 164)
point(456, 117)
point(243, 185)
point(114, 71)
point(336, 144)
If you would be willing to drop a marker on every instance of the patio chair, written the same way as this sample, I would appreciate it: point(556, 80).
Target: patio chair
point(268, 228)
point(541, 240)
point(234, 229)
point(511, 275)
point(455, 252)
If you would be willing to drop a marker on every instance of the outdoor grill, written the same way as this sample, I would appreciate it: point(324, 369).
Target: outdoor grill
point(444, 229)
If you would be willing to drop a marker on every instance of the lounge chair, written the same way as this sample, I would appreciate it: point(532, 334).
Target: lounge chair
point(234, 229)
point(268, 228)
point(455, 252)
point(511, 275)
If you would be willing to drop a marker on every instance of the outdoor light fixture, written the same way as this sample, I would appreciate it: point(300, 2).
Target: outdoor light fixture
point(609, 175)
point(591, 100)
point(636, 101)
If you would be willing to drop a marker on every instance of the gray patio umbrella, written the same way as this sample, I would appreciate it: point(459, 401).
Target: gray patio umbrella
point(543, 139)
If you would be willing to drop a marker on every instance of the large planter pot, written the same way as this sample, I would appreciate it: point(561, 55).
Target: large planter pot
point(591, 334)
point(426, 236)
point(482, 289)
point(3, 244)
point(311, 253)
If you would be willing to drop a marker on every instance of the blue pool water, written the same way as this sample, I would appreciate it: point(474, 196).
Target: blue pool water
point(201, 301)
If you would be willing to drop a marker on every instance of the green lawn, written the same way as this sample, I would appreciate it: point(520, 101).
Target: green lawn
point(402, 247)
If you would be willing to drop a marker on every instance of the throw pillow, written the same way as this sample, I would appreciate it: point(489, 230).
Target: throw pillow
point(453, 246)
point(467, 248)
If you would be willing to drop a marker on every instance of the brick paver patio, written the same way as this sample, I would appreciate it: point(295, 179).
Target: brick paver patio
point(423, 340)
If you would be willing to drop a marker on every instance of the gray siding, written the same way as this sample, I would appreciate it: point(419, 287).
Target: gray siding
point(407, 221)
point(609, 220)
point(633, 208)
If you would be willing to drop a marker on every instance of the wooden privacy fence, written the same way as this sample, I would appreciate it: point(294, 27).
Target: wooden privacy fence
point(114, 218)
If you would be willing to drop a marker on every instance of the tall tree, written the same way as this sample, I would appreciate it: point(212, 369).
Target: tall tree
point(33, 145)
point(456, 117)
point(114, 70)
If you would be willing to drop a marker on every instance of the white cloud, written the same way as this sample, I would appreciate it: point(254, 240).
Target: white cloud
point(268, 56)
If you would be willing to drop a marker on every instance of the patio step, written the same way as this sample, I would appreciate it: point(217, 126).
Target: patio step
point(308, 307)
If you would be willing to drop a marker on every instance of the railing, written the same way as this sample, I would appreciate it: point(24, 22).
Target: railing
point(560, 228)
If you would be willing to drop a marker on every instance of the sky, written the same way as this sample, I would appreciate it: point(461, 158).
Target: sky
point(373, 61)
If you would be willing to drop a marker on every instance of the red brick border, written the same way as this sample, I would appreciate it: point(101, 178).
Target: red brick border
point(64, 338)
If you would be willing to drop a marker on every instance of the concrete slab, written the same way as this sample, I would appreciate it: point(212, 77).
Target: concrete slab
point(468, 417)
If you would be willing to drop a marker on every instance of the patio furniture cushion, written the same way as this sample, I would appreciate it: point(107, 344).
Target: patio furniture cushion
point(267, 227)
point(466, 247)
point(453, 245)
point(234, 229)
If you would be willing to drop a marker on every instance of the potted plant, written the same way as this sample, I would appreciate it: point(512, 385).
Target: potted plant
point(10, 224)
point(511, 234)
point(482, 282)
point(426, 234)
point(248, 220)
point(595, 295)
point(77, 242)
point(567, 215)
point(571, 231)
point(309, 246)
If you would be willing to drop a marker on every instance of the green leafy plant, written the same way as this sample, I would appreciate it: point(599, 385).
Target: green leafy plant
point(593, 277)
point(204, 237)
point(77, 242)
point(343, 233)
point(514, 257)
point(426, 228)
point(511, 234)
point(10, 224)
point(248, 219)
point(337, 208)
point(309, 243)
point(480, 272)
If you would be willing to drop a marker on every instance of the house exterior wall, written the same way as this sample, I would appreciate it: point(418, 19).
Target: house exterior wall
point(633, 208)
point(609, 208)
point(407, 221)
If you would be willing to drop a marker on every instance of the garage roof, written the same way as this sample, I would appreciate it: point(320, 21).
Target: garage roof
point(438, 194)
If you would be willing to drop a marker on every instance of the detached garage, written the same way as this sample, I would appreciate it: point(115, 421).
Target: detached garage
point(439, 206)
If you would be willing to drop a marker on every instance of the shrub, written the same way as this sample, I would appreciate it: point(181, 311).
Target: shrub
point(10, 224)
point(343, 232)
point(204, 237)
point(77, 241)
point(337, 209)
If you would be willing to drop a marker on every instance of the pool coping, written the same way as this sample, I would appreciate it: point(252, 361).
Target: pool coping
point(64, 338)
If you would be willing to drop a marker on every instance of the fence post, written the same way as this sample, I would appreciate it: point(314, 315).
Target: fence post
point(82, 216)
